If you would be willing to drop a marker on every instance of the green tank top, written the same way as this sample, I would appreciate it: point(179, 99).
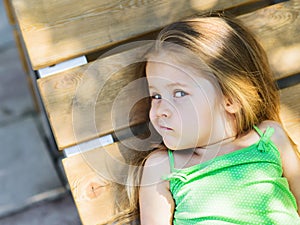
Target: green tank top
point(242, 187)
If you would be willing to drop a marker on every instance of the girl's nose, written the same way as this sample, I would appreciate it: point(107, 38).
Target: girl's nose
point(163, 108)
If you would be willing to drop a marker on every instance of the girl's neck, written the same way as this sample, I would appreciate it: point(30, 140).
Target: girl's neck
point(216, 148)
point(219, 143)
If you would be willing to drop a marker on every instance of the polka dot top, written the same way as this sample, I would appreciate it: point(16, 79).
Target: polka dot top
point(242, 187)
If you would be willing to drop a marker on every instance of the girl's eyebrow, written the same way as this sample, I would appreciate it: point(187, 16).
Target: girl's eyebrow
point(176, 84)
point(172, 85)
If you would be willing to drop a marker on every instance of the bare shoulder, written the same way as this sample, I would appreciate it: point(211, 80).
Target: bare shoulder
point(271, 123)
point(155, 191)
point(289, 157)
point(156, 166)
point(157, 158)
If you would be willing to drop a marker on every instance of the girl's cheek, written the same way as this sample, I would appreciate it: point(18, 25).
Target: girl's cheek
point(153, 119)
point(152, 114)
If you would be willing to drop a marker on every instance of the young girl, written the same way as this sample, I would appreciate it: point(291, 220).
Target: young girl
point(225, 157)
point(214, 102)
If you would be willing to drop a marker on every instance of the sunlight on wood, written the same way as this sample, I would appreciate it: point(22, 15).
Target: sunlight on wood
point(290, 111)
point(46, 46)
point(92, 194)
point(203, 5)
point(291, 121)
point(287, 57)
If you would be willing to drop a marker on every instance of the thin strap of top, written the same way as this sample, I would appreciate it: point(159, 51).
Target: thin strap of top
point(258, 131)
point(171, 158)
point(264, 143)
point(267, 134)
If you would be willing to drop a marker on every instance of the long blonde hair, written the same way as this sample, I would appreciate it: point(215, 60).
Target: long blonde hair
point(240, 67)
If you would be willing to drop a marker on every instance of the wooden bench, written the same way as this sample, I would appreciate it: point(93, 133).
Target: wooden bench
point(80, 60)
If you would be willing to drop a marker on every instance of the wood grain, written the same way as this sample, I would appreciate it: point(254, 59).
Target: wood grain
point(96, 99)
point(278, 28)
point(90, 180)
point(55, 31)
point(290, 111)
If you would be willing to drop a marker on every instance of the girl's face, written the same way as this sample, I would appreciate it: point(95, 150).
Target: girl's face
point(186, 109)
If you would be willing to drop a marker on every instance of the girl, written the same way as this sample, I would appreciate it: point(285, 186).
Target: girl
point(215, 104)
point(225, 157)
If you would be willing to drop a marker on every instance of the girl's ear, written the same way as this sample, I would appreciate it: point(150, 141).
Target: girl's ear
point(231, 106)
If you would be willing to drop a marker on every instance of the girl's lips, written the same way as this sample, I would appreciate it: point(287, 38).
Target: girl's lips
point(165, 128)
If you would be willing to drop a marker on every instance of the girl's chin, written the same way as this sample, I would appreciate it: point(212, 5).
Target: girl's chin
point(175, 147)
point(170, 146)
point(178, 146)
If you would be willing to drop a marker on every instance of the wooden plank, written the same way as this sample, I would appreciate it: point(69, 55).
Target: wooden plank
point(290, 111)
point(55, 31)
point(90, 182)
point(95, 99)
point(277, 27)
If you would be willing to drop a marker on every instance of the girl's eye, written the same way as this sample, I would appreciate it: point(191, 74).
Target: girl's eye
point(179, 94)
point(156, 96)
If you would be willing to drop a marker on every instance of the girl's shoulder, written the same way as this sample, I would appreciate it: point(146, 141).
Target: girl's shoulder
point(280, 137)
point(156, 166)
point(279, 131)
point(158, 156)
point(273, 124)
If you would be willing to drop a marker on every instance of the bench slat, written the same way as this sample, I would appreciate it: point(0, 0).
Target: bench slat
point(88, 182)
point(87, 102)
point(278, 29)
point(290, 111)
point(55, 31)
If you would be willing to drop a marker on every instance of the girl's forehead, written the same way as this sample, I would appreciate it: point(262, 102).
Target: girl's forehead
point(154, 67)
point(162, 75)
point(173, 72)
point(168, 72)
point(184, 61)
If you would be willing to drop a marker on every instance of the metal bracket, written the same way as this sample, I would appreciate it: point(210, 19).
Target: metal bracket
point(72, 63)
point(88, 145)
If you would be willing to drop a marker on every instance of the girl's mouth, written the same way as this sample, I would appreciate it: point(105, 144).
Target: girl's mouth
point(165, 128)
